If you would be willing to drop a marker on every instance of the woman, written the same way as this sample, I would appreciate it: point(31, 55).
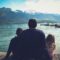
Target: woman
point(50, 42)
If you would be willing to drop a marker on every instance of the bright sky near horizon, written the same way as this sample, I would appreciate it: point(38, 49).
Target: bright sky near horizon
point(43, 6)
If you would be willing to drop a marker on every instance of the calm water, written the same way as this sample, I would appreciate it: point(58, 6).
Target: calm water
point(7, 32)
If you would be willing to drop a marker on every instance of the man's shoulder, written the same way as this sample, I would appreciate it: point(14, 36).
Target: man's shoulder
point(13, 39)
point(39, 31)
point(34, 30)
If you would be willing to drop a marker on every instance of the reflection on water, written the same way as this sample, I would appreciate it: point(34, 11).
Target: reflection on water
point(7, 31)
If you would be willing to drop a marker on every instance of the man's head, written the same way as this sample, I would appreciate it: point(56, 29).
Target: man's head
point(19, 31)
point(32, 23)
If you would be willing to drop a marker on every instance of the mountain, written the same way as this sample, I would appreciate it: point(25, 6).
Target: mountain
point(18, 16)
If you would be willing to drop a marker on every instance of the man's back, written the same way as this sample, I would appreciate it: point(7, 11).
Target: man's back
point(32, 42)
point(33, 36)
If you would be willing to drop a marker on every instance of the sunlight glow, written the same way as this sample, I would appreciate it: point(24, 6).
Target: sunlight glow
point(44, 6)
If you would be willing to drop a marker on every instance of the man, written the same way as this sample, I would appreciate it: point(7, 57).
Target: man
point(33, 43)
point(13, 47)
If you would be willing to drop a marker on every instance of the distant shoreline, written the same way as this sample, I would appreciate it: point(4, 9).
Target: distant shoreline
point(2, 55)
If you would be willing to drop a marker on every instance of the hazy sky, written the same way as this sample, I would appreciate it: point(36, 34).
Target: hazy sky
point(44, 6)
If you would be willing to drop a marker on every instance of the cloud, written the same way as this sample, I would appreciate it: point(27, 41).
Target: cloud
point(42, 0)
point(44, 6)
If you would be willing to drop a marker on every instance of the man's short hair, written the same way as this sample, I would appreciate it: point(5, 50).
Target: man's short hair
point(32, 23)
point(19, 31)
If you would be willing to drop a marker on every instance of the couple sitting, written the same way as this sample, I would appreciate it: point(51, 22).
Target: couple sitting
point(31, 44)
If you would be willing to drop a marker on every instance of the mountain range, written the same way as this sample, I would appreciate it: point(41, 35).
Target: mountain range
point(18, 16)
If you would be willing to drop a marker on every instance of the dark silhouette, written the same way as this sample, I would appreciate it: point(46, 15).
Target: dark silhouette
point(13, 47)
point(50, 41)
point(33, 44)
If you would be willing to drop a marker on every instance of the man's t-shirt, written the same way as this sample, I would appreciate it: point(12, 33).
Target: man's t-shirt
point(33, 44)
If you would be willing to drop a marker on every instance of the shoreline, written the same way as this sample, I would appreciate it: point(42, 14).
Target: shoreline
point(2, 55)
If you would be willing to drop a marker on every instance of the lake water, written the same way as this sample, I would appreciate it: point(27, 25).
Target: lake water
point(7, 32)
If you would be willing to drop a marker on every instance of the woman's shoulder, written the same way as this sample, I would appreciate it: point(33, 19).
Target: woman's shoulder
point(56, 57)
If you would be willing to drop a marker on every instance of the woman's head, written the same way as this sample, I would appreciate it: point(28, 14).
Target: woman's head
point(50, 38)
